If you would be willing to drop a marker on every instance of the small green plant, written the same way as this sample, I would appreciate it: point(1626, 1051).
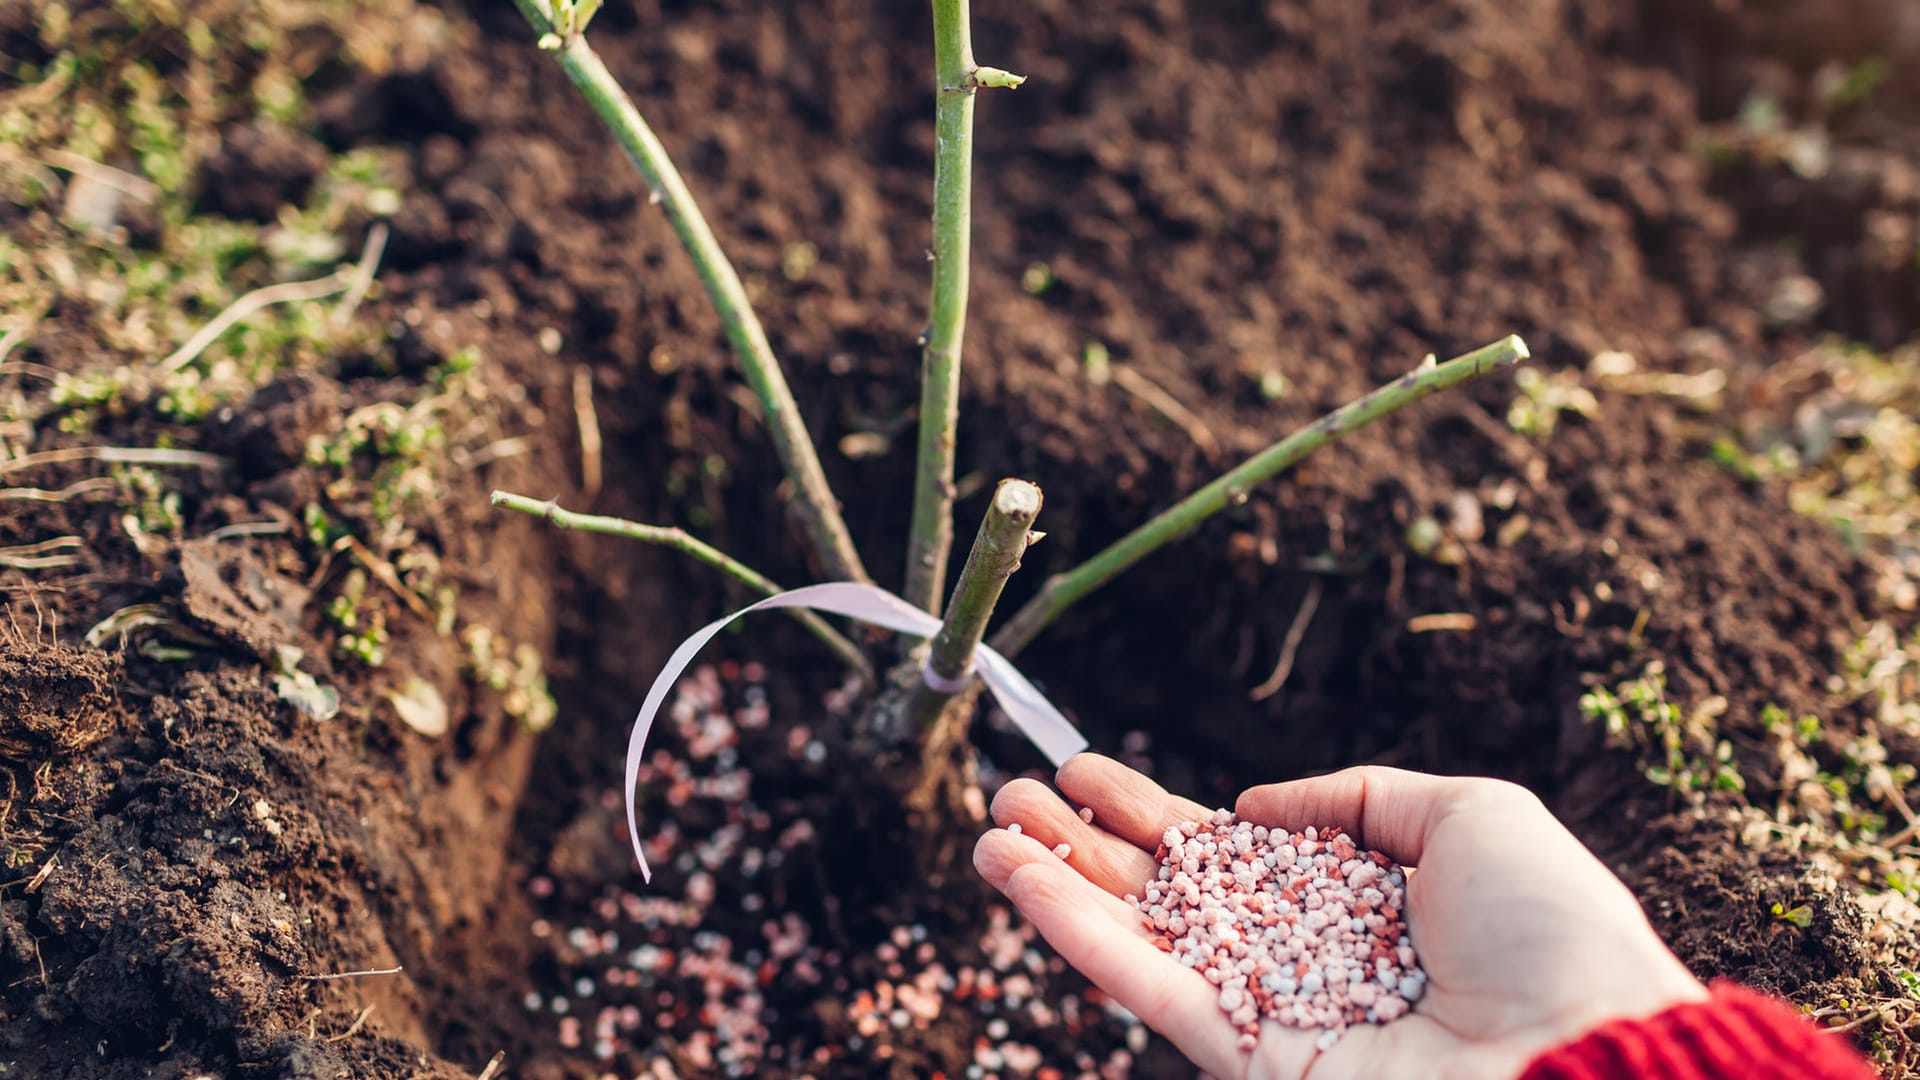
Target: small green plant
point(149, 507)
point(1684, 753)
point(363, 626)
point(321, 530)
point(1800, 915)
point(1543, 399)
point(1843, 87)
point(1903, 883)
point(1882, 668)
point(515, 672)
point(1836, 780)
point(84, 394)
point(388, 452)
point(300, 689)
point(1802, 731)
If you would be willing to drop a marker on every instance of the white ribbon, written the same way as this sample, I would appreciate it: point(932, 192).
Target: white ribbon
point(1053, 733)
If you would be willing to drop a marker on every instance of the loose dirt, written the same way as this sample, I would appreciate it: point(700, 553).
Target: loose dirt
point(1259, 209)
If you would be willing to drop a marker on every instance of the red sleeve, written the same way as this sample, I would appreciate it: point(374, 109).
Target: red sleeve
point(1737, 1035)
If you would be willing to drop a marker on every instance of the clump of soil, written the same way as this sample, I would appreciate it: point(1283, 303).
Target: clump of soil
point(55, 701)
point(1258, 210)
point(259, 168)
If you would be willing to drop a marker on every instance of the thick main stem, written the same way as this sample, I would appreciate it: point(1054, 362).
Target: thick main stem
point(997, 550)
point(1063, 590)
point(679, 540)
point(819, 510)
point(931, 532)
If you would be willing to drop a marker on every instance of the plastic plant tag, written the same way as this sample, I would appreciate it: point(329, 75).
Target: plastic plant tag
point(1052, 732)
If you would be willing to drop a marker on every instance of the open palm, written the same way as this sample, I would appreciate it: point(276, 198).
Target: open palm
point(1526, 938)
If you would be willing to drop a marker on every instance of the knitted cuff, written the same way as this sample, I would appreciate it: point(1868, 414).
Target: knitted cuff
point(1737, 1035)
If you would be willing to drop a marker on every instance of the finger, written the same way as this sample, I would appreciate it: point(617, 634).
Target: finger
point(1125, 802)
point(999, 853)
point(1410, 1046)
point(1168, 997)
point(1102, 858)
point(1391, 810)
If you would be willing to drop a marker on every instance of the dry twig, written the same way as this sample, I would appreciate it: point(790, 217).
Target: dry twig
point(1290, 646)
point(588, 421)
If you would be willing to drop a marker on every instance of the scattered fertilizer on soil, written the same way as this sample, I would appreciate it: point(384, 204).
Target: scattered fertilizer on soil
point(1303, 929)
point(711, 972)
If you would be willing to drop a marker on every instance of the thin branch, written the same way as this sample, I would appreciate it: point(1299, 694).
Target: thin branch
point(1894, 795)
point(115, 455)
point(1441, 620)
point(354, 1028)
point(587, 419)
point(394, 970)
point(39, 562)
point(931, 533)
point(819, 510)
point(385, 574)
point(1004, 535)
point(11, 340)
point(138, 188)
point(1290, 647)
point(287, 292)
point(363, 272)
point(23, 367)
point(248, 528)
point(1159, 400)
point(31, 494)
point(41, 875)
point(44, 547)
point(1065, 589)
point(679, 540)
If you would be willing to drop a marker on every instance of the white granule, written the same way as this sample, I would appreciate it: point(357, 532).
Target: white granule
point(1303, 929)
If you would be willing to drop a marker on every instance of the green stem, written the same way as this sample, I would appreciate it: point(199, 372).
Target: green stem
point(819, 510)
point(997, 550)
point(677, 539)
point(1063, 590)
point(931, 533)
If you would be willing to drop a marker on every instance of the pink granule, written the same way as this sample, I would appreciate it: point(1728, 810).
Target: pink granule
point(1303, 929)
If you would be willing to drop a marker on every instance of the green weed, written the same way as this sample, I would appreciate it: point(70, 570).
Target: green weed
point(364, 626)
point(1543, 399)
point(516, 672)
point(1682, 753)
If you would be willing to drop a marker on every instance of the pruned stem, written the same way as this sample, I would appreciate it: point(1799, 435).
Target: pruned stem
point(931, 533)
point(997, 550)
point(1062, 590)
point(819, 510)
point(679, 540)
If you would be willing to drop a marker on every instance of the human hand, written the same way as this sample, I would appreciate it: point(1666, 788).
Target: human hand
point(1528, 941)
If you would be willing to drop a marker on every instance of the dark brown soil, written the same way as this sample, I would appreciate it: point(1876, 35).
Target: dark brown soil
point(1315, 189)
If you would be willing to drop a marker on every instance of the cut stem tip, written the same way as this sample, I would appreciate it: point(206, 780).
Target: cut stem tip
point(1018, 500)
